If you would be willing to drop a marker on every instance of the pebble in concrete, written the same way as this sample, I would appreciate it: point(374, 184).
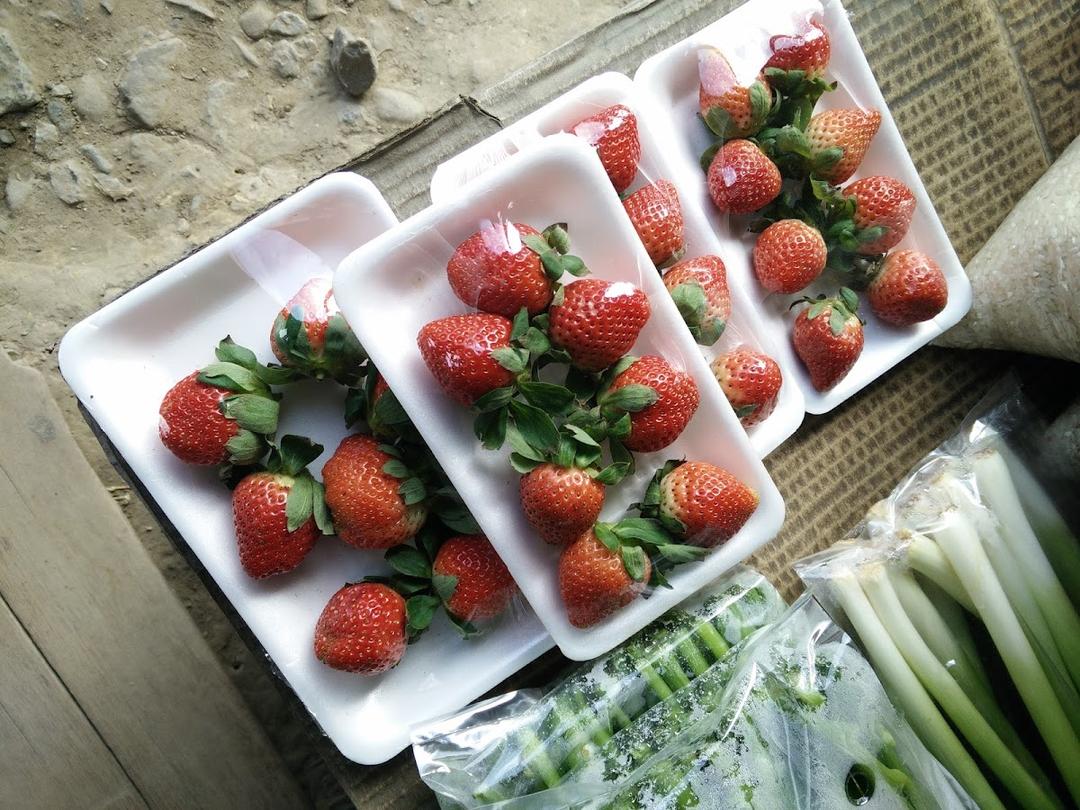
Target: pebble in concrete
point(316, 9)
point(7, 137)
point(60, 115)
point(16, 84)
point(353, 62)
point(46, 139)
point(255, 20)
point(285, 60)
point(91, 101)
point(146, 72)
point(288, 24)
point(99, 161)
point(68, 182)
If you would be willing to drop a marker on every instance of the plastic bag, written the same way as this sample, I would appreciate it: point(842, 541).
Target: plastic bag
point(961, 587)
point(603, 721)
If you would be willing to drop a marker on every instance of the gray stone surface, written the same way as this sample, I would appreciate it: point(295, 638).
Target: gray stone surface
point(285, 60)
point(7, 137)
point(353, 62)
point(60, 114)
point(397, 106)
point(316, 9)
point(195, 7)
point(17, 189)
point(97, 160)
point(255, 20)
point(91, 99)
point(143, 86)
point(46, 140)
point(16, 83)
point(69, 181)
point(288, 24)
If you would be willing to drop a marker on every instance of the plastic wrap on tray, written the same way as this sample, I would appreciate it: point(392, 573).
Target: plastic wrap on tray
point(606, 719)
point(961, 588)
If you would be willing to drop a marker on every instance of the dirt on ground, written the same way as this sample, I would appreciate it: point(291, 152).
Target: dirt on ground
point(134, 131)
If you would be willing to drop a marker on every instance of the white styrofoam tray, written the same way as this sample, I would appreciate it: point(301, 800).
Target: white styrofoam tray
point(560, 115)
point(396, 283)
point(121, 361)
point(670, 79)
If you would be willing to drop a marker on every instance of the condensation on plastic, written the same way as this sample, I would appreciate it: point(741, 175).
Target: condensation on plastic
point(599, 724)
point(779, 722)
point(392, 287)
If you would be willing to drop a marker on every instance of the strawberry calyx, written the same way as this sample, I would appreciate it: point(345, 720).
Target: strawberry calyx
point(724, 126)
point(340, 357)
point(553, 248)
point(637, 539)
point(693, 305)
point(841, 308)
point(290, 457)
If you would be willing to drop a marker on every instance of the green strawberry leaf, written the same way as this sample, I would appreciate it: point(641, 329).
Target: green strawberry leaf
point(232, 377)
point(445, 585)
point(420, 610)
point(720, 122)
point(252, 412)
point(587, 457)
point(581, 436)
point(556, 237)
point(678, 553)
point(619, 454)
point(523, 464)
point(490, 428)
point(228, 351)
point(613, 474)
point(467, 629)
point(535, 341)
point(535, 426)
point(574, 266)
point(760, 104)
point(620, 428)
point(744, 411)
point(396, 467)
point(850, 299)
point(412, 491)
point(606, 536)
point(582, 383)
point(513, 360)
point(631, 398)
point(547, 396)
point(871, 234)
point(690, 299)
point(522, 447)
point(319, 510)
point(457, 518)
point(355, 406)
point(494, 400)
point(245, 448)
point(642, 530)
point(634, 560)
point(708, 156)
point(709, 331)
point(297, 452)
point(409, 561)
point(521, 324)
point(407, 586)
point(298, 503)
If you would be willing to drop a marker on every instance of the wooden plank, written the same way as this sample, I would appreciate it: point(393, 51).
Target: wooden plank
point(78, 580)
point(52, 756)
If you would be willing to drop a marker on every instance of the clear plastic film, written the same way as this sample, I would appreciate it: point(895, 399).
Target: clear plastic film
point(961, 586)
point(605, 721)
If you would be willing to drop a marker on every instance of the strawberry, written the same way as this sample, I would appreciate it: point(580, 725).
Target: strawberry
point(366, 497)
point(495, 271)
point(909, 288)
point(362, 629)
point(843, 135)
point(657, 217)
point(223, 413)
point(700, 290)
point(458, 352)
point(729, 109)
point(614, 133)
point(597, 321)
point(660, 400)
point(596, 580)
point(560, 502)
point(751, 382)
point(279, 512)
point(881, 202)
point(700, 502)
point(788, 255)
point(828, 337)
point(474, 576)
point(742, 179)
point(808, 50)
point(311, 335)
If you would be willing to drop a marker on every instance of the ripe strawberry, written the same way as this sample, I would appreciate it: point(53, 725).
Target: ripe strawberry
point(742, 179)
point(751, 382)
point(457, 351)
point(598, 321)
point(909, 288)
point(657, 217)
point(560, 502)
point(594, 581)
point(482, 587)
point(828, 337)
point(656, 425)
point(222, 413)
point(789, 254)
point(362, 629)
point(729, 109)
point(368, 509)
point(703, 503)
point(280, 512)
point(808, 50)
point(700, 290)
point(614, 133)
point(882, 202)
point(311, 335)
point(495, 271)
point(849, 131)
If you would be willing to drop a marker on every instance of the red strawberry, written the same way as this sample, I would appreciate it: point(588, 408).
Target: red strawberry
point(657, 217)
point(828, 337)
point(368, 510)
point(882, 202)
point(222, 413)
point(457, 351)
point(700, 290)
point(789, 254)
point(656, 425)
point(614, 133)
point(751, 382)
point(708, 504)
point(482, 587)
point(311, 335)
point(495, 271)
point(594, 582)
point(909, 288)
point(742, 179)
point(598, 321)
point(280, 512)
point(729, 109)
point(808, 50)
point(362, 629)
point(560, 502)
point(848, 130)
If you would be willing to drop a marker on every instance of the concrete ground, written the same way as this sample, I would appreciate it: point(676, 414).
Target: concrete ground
point(133, 131)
